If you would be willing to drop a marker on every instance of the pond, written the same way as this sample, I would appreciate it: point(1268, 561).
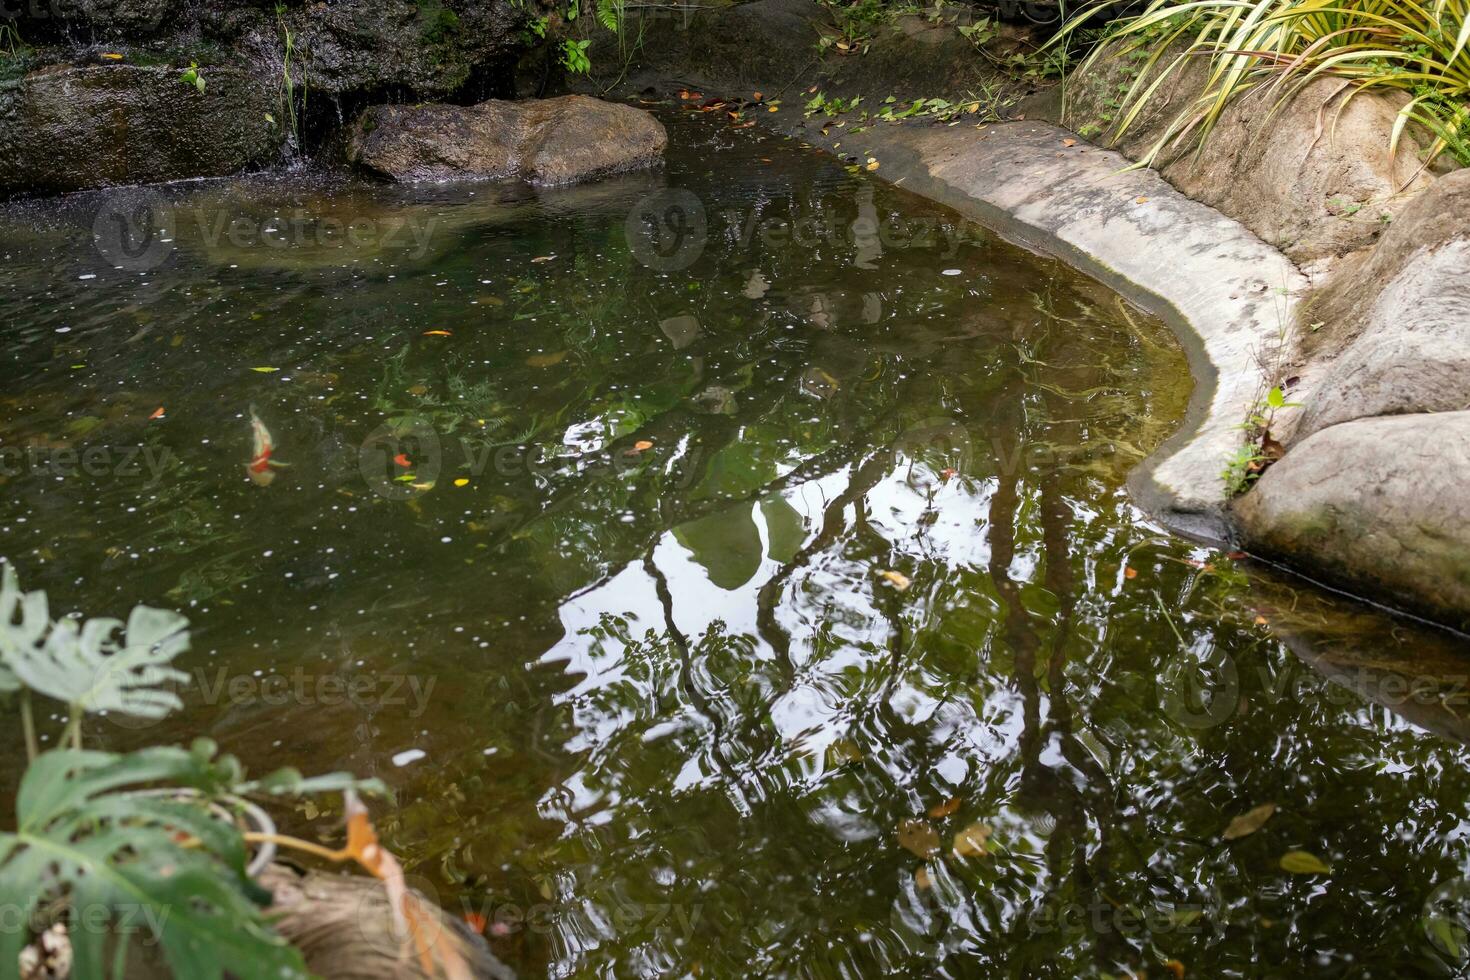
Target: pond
point(731, 569)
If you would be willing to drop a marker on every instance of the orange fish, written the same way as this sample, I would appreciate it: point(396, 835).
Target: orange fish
point(261, 468)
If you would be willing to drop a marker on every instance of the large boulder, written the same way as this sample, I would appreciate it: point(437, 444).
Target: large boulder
point(1377, 505)
point(549, 141)
point(67, 128)
point(1387, 332)
point(1312, 176)
point(426, 48)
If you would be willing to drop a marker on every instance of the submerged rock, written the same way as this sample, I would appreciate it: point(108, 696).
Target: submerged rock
point(551, 141)
point(1377, 505)
point(69, 128)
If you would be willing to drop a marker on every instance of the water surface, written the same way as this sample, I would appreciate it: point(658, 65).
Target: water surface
point(731, 569)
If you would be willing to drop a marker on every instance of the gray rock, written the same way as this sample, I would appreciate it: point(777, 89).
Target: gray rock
point(69, 128)
point(1392, 338)
point(1377, 506)
point(429, 49)
point(550, 141)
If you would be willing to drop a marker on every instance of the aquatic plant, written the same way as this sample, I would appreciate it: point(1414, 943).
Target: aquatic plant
point(1276, 47)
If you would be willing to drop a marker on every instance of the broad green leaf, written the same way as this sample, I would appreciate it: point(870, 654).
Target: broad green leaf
point(93, 836)
point(84, 666)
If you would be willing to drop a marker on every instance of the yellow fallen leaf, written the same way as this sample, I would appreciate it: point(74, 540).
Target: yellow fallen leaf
point(1141, 200)
point(265, 370)
point(419, 390)
point(872, 164)
point(1303, 863)
point(112, 56)
point(1069, 142)
point(642, 444)
point(1249, 822)
point(917, 837)
point(971, 840)
point(546, 360)
point(898, 580)
point(461, 482)
point(437, 333)
point(774, 109)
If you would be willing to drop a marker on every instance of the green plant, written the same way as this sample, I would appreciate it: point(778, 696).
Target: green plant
point(131, 848)
point(288, 81)
point(574, 56)
point(191, 76)
point(1275, 47)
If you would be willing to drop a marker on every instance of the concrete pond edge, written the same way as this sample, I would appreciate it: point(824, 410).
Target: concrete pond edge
point(1227, 295)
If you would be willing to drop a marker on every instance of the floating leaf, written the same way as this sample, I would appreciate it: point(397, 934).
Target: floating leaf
point(265, 370)
point(971, 841)
point(543, 258)
point(111, 56)
point(437, 333)
point(1069, 142)
point(922, 879)
point(941, 810)
point(461, 482)
point(1249, 822)
point(157, 413)
point(918, 837)
point(1130, 572)
point(546, 360)
point(898, 580)
point(1303, 863)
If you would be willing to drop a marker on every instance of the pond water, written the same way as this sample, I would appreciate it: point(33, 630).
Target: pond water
point(731, 570)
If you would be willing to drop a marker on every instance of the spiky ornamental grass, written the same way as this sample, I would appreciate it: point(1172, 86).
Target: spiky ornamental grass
point(1275, 47)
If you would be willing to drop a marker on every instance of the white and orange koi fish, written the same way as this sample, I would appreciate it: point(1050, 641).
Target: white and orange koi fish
point(261, 468)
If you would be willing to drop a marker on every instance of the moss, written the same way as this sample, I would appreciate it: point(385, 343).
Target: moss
point(437, 22)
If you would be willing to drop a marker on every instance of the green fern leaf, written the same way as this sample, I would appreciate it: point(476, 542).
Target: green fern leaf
point(610, 13)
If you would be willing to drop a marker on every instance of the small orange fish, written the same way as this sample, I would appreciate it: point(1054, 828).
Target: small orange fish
point(261, 468)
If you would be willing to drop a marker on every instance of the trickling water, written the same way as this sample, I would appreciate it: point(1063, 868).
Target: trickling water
point(730, 568)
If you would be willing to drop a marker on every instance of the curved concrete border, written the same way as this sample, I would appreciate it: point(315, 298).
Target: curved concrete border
point(1228, 295)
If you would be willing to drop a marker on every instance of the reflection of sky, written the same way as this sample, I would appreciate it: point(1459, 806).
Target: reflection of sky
point(830, 592)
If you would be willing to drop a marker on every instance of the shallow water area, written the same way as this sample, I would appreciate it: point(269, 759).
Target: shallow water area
point(730, 567)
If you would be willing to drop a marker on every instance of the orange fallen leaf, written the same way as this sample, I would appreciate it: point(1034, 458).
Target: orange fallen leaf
point(1069, 142)
point(437, 333)
point(944, 809)
point(898, 580)
point(642, 444)
point(157, 413)
point(1130, 573)
point(1141, 200)
point(1175, 967)
point(1262, 621)
point(1236, 555)
point(757, 96)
